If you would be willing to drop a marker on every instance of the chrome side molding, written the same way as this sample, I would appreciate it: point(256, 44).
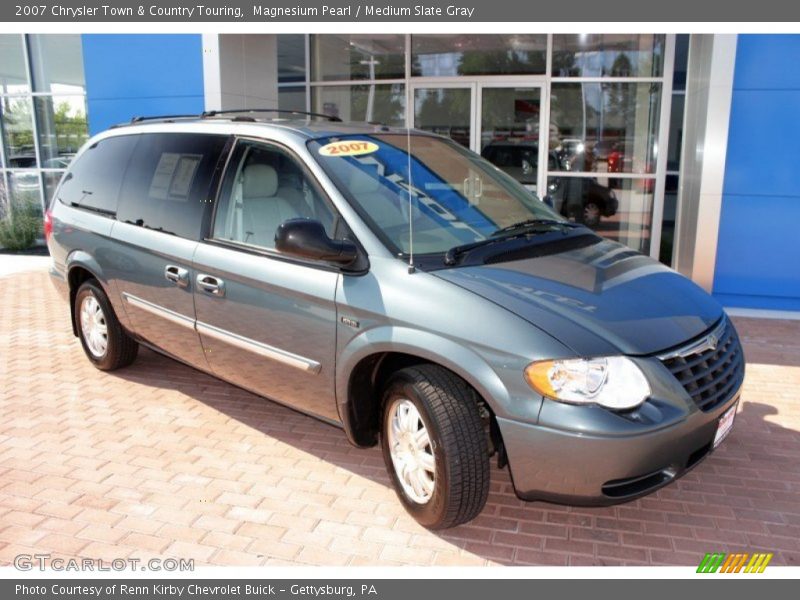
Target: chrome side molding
point(228, 337)
point(159, 311)
point(239, 341)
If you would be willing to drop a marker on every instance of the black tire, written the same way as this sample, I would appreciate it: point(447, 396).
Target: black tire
point(120, 349)
point(449, 412)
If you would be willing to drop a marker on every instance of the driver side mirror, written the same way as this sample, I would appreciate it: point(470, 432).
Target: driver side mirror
point(307, 238)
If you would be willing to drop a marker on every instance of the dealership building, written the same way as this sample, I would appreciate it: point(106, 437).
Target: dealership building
point(679, 146)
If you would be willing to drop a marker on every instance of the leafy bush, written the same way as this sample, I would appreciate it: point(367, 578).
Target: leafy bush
point(21, 226)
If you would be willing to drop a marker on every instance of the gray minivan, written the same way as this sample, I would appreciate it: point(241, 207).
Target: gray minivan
point(394, 284)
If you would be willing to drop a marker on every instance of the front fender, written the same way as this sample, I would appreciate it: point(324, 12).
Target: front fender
point(462, 360)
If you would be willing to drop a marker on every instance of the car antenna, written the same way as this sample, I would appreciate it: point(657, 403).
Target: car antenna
point(411, 267)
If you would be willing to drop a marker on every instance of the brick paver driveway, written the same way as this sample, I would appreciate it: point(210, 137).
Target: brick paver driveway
point(161, 460)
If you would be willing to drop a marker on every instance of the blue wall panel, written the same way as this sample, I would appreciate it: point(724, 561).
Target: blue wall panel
point(130, 75)
point(758, 254)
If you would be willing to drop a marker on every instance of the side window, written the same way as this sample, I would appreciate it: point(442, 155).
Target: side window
point(166, 187)
point(263, 187)
point(93, 181)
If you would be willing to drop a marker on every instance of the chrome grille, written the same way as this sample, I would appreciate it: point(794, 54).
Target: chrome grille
point(710, 369)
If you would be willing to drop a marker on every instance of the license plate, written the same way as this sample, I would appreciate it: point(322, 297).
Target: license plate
point(725, 425)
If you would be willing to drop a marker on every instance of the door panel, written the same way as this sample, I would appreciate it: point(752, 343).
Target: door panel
point(272, 329)
point(267, 324)
point(160, 310)
point(163, 205)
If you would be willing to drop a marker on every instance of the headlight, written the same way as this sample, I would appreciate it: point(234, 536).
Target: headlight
point(614, 381)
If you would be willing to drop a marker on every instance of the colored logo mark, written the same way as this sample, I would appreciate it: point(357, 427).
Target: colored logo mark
point(719, 562)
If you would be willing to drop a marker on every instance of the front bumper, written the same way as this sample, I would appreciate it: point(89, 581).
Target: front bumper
point(571, 467)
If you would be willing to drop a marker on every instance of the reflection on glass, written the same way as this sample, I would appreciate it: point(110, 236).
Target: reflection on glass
point(452, 55)
point(382, 103)
point(345, 57)
point(510, 131)
point(291, 58)
point(13, 78)
point(445, 111)
point(605, 127)
point(668, 223)
point(292, 98)
point(3, 196)
point(681, 61)
point(18, 132)
point(24, 206)
point(62, 128)
point(24, 190)
point(620, 210)
point(51, 179)
point(57, 63)
point(608, 55)
point(675, 133)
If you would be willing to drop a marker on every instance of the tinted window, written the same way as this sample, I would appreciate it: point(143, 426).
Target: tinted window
point(264, 187)
point(94, 179)
point(166, 187)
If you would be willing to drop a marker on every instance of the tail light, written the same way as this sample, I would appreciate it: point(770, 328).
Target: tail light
point(48, 225)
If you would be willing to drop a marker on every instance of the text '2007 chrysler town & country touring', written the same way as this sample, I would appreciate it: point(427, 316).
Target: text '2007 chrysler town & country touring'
point(399, 286)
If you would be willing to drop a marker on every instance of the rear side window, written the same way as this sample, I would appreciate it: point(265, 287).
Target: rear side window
point(166, 187)
point(93, 181)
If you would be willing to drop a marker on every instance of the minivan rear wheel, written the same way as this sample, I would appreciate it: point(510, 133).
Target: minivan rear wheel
point(104, 341)
point(434, 446)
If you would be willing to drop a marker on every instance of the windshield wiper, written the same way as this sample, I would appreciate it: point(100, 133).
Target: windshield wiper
point(533, 223)
point(517, 230)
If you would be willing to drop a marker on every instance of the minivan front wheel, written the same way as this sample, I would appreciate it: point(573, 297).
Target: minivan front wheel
point(434, 446)
point(104, 341)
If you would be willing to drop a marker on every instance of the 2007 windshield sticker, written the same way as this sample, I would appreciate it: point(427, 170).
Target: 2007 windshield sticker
point(348, 148)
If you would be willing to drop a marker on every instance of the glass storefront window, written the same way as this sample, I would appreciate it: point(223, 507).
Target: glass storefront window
point(24, 189)
point(381, 103)
point(57, 63)
point(13, 77)
point(292, 98)
point(17, 125)
point(354, 57)
point(445, 111)
point(675, 133)
point(454, 55)
point(3, 196)
point(51, 179)
point(681, 61)
point(618, 209)
point(668, 221)
point(61, 121)
point(608, 55)
point(510, 131)
point(291, 58)
point(605, 127)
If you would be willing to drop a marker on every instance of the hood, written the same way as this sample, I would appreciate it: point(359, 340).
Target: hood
point(600, 299)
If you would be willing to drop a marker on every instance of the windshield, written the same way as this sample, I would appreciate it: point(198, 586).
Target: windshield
point(451, 198)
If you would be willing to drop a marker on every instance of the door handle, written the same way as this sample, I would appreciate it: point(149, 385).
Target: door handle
point(177, 275)
point(212, 285)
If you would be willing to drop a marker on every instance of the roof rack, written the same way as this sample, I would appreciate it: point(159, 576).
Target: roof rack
point(214, 113)
point(139, 119)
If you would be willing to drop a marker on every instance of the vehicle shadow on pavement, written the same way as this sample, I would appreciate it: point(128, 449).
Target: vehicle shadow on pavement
point(744, 497)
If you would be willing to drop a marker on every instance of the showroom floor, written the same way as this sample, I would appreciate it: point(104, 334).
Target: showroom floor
point(161, 460)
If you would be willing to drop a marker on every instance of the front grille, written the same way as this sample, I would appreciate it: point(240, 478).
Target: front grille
point(710, 375)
